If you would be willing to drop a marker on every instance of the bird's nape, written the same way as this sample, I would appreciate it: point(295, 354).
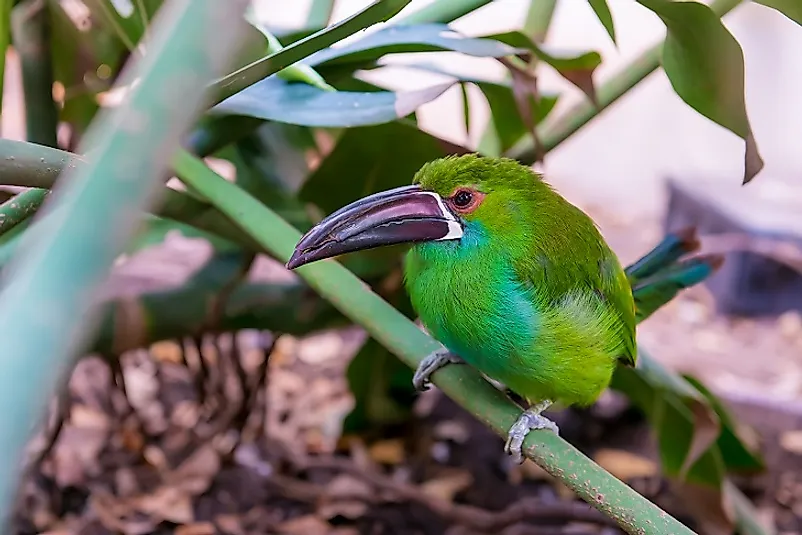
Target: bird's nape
point(407, 214)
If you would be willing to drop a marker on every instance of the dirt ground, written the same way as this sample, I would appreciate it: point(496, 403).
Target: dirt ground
point(165, 460)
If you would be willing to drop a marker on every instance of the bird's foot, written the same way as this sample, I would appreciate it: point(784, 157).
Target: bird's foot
point(529, 420)
point(433, 362)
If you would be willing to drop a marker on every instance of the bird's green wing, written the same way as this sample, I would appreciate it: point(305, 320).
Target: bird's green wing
point(583, 262)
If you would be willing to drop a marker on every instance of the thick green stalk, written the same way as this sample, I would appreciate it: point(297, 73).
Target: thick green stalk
point(378, 11)
point(538, 20)
point(5, 40)
point(555, 131)
point(443, 11)
point(48, 308)
point(20, 207)
point(388, 326)
point(30, 22)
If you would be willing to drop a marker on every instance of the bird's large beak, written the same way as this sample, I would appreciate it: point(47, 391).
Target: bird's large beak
point(402, 215)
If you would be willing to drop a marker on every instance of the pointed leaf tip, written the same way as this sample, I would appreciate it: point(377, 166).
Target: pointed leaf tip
point(604, 15)
point(753, 162)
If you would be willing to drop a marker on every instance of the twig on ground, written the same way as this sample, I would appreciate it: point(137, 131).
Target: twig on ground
point(530, 509)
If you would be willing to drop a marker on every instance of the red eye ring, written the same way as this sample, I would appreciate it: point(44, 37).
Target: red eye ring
point(465, 200)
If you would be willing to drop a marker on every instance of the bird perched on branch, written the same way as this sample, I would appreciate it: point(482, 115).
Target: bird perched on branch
point(512, 279)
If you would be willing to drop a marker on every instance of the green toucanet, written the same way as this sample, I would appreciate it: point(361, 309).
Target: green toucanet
point(512, 279)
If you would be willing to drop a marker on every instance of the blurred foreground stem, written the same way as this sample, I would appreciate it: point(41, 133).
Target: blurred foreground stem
point(48, 307)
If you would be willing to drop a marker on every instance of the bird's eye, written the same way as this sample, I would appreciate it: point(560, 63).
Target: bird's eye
point(463, 198)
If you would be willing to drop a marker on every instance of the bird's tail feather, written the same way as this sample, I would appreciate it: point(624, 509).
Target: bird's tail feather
point(660, 275)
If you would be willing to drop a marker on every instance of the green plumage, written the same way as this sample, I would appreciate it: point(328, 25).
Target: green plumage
point(531, 295)
point(512, 279)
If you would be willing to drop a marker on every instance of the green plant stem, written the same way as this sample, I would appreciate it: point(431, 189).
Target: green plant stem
point(48, 308)
point(555, 131)
point(443, 11)
point(5, 40)
point(20, 207)
point(378, 11)
point(30, 21)
point(538, 19)
point(319, 13)
point(388, 326)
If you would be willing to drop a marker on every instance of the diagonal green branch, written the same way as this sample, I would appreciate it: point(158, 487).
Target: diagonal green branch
point(378, 11)
point(352, 297)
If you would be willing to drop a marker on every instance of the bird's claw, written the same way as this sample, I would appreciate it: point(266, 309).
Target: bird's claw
point(529, 420)
point(433, 362)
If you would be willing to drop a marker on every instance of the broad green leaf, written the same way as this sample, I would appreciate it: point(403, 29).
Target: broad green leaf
point(686, 429)
point(301, 104)
point(84, 63)
point(128, 29)
point(271, 165)
point(576, 67)
point(382, 389)
point(602, 11)
point(370, 159)
point(663, 395)
point(705, 66)
point(737, 442)
point(790, 8)
point(405, 39)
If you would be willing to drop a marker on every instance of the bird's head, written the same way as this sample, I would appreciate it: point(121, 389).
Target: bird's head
point(450, 199)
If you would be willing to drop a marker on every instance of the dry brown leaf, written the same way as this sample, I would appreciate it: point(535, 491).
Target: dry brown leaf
point(230, 524)
point(447, 486)
point(304, 525)
point(199, 528)
point(452, 430)
point(75, 454)
point(167, 351)
point(354, 493)
point(625, 465)
point(167, 503)
point(387, 451)
point(196, 473)
point(319, 348)
point(114, 514)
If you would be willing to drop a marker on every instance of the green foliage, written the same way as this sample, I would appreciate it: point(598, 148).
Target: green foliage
point(306, 135)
